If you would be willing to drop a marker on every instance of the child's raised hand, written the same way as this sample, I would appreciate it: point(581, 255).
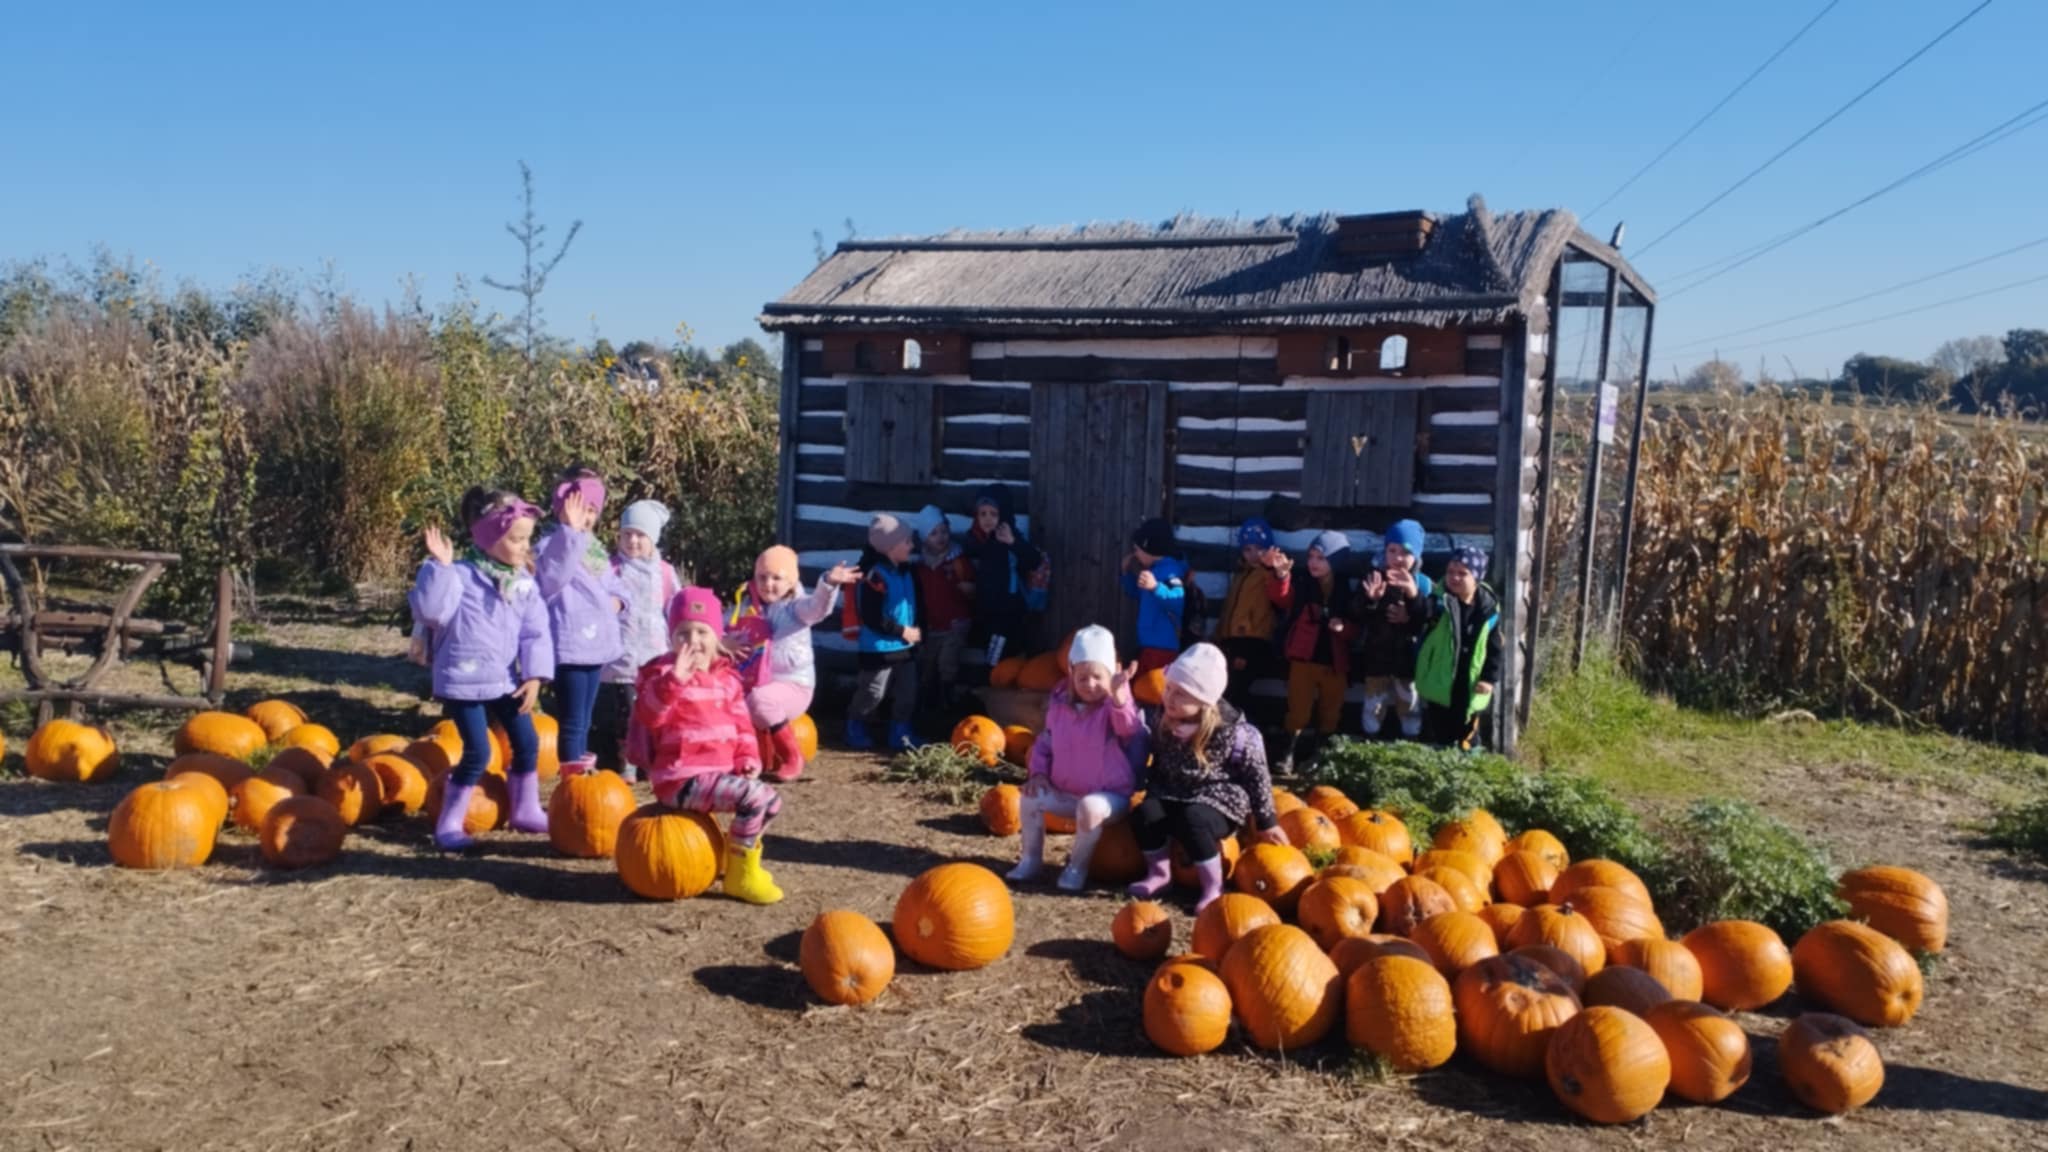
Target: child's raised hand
point(913, 635)
point(1278, 561)
point(1402, 580)
point(1375, 584)
point(1147, 581)
point(1122, 682)
point(1005, 535)
point(842, 575)
point(577, 512)
point(438, 547)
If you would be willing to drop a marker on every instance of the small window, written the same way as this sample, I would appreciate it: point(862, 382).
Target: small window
point(913, 356)
point(864, 356)
point(1394, 354)
point(1337, 355)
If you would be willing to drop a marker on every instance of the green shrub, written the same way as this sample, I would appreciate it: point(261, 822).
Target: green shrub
point(2023, 828)
point(1424, 786)
point(1727, 860)
point(954, 777)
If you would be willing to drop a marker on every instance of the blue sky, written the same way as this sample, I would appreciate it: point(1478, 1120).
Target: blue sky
point(702, 143)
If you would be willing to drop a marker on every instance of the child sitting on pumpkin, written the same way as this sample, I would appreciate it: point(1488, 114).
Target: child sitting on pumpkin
point(1089, 760)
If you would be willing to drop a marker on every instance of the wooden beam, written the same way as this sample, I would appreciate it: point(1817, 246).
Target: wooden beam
point(786, 463)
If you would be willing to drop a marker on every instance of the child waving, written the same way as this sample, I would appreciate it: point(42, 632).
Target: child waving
point(1089, 760)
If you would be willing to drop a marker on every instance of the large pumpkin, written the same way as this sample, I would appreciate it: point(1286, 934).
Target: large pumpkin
point(302, 832)
point(490, 806)
point(1486, 824)
point(1400, 1010)
point(1142, 930)
point(585, 811)
point(314, 738)
point(1607, 1065)
point(1350, 953)
point(1709, 1053)
point(1371, 867)
point(1331, 801)
point(1041, 673)
point(309, 766)
point(1382, 832)
point(68, 752)
point(1187, 1009)
point(663, 853)
point(1672, 964)
point(1859, 972)
point(1543, 844)
point(1830, 1064)
point(1468, 896)
point(547, 738)
point(1476, 869)
point(1229, 918)
point(370, 746)
point(404, 785)
point(1562, 928)
point(255, 797)
point(1508, 1006)
point(1629, 989)
point(1502, 918)
point(227, 773)
point(216, 794)
point(1285, 801)
point(1597, 874)
point(1743, 964)
point(1477, 839)
point(1284, 988)
point(981, 738)
point(1117, 859)
point(169, 824)
point(1455, 941)
point(1524, 877)
point(1899, 902)
point(275, 717)
point(1559, 961)
point(1275, 873)
point(355, 791)
point(1005, 672)
point(956, 916)
point(221, 733)
point(845, 958)
point(1149, 688)
point(1616, 915)
point(1018, 741)
point(1411, 900)
point(1336, 907)
point(1310, 830)
point(1002, 810)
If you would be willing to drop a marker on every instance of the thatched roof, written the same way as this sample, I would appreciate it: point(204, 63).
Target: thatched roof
point(1476, 268)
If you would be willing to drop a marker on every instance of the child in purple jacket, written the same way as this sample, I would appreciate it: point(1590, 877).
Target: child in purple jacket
point(586, 600)
point(491, 651)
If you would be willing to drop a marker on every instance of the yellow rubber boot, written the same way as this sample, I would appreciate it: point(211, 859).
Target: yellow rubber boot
point(746, 880)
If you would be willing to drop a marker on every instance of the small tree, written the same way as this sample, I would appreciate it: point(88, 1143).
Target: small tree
point(533, 278)
point(1968, 355)
point(1715, 375)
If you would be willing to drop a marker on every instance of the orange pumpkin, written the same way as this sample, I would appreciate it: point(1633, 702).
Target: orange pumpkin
point(1455, 941)
point(1469, 897)
point(1858, 972)
point(1524, 877)
point(1382, 832)
point(1562, 928)
point(221, 733)
point(1284, 988)
point(845, 958)
point(1228, 919)
point(303, 763)
point(1149, 688)
point(1411, 900)
point(1187, 1009)
point(1059, 824)
point(275, 717)
point(1350, 953)
point(259, 794)
point(1002, 810)
point(489, 806)
point(1709, 1053)
point(1607, 1065)
point(664, 853)
point(1475, 868)
point(355, 791)
point(1508, 1007)
point(67, 752)
point(1671, 963)
point(1485, 823)
point(1142, 930)
point(1041, 673)
point(806, 731)
point(1899, 902)
point(1275, 873)
point(302, 832)
point(1285, 801)
point(1616, 915)
point(404, 785)
point(955, 917)
point(225, 772)
point(1502, 918)
point(216, 794)
point(1336, 907)
point(1117, 859)
point(314, 738)
point(585, 812)
point(547, 736)
point(169, 824)
point(1063, 651)
point(370, 746)
point(1743, 964)
point(1184, 872)
point(1630, 989)
point(1372, 867)
point(1310, 830)
point(1475, 839)
point(1017, 744)
point(1006, 672)
point(1543, 844)
point(1332, 802)
point(1830, 1064)
point(501, 752)
point(1597, 874)
point(1400, 1009)
point(981, 738)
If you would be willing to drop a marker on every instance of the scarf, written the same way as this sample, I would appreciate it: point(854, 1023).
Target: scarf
point(598, 562)
point(502, 576)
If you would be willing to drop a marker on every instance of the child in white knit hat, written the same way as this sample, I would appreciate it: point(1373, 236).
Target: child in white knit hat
point(650, 583)
point(1089, 760)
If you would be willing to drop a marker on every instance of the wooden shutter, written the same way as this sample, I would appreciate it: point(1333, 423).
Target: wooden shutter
point(889, 432)
point(1361, 449)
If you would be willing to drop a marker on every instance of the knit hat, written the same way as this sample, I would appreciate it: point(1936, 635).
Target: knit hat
point(696, 606)
point(885, 533)
point(1255, 533)
point(648, 516)
point(1201, 672)
point(994, 496)
point(1093, 645)
point(1474, 559)
point(929, 520)
point(1408, 534)
point(1330, 544)
point(1154, 537)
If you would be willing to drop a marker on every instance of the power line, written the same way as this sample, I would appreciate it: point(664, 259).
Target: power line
point(1995, 135)
point(1711, 112)
point(1886, 291)
point(1810, 133)
point(1890, 315)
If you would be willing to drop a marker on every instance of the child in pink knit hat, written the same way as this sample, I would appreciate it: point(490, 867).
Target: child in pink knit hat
point(691, 728)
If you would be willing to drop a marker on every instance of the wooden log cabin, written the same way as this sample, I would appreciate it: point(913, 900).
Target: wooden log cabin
point(1324, 372)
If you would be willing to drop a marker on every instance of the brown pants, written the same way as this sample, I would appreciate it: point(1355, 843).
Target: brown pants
point(1315, 689)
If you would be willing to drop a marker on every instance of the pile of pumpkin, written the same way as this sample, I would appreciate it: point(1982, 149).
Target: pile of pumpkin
point(1043, 673)
point(1531, 964)
point(955, 917)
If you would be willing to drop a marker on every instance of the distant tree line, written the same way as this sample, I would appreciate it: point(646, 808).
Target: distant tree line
point(1971, 374)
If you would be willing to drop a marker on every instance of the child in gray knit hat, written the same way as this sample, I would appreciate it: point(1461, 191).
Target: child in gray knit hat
point(888, 603)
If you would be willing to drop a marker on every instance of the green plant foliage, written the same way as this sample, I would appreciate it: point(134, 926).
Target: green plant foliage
point(2023, 828)
point(945, 774)
point(1728, 860)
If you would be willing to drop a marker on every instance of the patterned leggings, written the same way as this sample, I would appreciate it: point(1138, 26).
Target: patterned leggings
point(752, 803)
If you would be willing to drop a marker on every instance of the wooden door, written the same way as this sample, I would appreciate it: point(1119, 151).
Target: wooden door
point(1360, 450)
point(1098, 468)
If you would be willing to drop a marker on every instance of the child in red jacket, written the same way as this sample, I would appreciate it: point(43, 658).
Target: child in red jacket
point(691, 728)
point(945, 593)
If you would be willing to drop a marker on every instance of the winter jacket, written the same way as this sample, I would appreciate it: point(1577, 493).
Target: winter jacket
point(1236, 782)
point(484, 644)
point(580, 609)
point(697, 727)
point(643, 631)
point(945, 586)
point(791, 660)
point(1389, 648)
point(1160, 610)
point(1001, 570)
point(888, 604)
point(1101, 748)
point(1461, 648)
point(1248, 612)
point(1319, 626)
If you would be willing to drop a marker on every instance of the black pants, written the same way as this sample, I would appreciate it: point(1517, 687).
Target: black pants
point(608, 723)
point(1199, 828)
point(1449, 727)
point(1259, 663)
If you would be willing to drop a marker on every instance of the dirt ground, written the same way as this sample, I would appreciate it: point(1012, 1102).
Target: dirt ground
point(509, 999)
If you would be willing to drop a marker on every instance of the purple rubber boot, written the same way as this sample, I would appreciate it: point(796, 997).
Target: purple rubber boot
point(449, 835)
point(527, 814)
point(1158, 874)
point(1210, 873)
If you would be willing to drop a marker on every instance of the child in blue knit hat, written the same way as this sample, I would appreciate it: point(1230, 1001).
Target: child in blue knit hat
point(1460, 660)
point(1245, 630)
point(1393, 603)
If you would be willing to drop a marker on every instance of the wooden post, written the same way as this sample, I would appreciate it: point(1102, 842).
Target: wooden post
point(223, 635)
point(1592, 508)
point(1512, 449)
point(1539, 545)
point(786, 462)
point(1635, 455)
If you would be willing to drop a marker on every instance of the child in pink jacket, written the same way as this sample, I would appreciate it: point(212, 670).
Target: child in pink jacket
point(1089, 760)
point(691, 728)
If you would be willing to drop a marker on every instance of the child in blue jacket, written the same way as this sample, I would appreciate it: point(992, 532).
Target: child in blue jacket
point(1157, 579)
point(887, 600)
